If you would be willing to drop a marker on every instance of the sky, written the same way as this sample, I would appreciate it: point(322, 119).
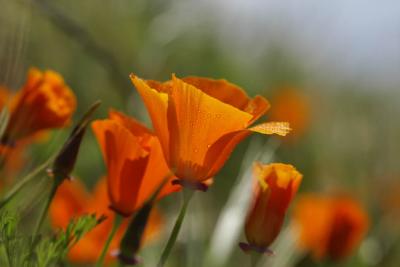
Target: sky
point(357, 39)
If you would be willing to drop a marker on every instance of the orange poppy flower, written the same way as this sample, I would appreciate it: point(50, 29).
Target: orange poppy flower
point(199, 122)
point(134, 160)
point(291, 106)
point(72, 201)
point(330, 227)
point(276, 186)
point(44, 102)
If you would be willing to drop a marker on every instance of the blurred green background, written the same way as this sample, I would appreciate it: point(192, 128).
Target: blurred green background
point(342, 57)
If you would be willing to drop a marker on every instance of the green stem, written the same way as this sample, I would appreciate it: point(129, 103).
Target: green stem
point(254, 258)
point(187, 195)
point(8, 259)
point(24, 181)
point(117, 222)
point(45, 209)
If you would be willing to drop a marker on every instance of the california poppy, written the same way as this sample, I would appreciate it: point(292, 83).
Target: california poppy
point(45, 102)
point(135, 163)
point(72, 200)
point(199, 122)
point(276, 185)
point(330, 226)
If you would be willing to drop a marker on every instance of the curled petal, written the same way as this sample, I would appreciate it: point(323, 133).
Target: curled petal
point(221, 90)
point(157, 104)
point(257, 107)
point(279, 128)
point(134, 126)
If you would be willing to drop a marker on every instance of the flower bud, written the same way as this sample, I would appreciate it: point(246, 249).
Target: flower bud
point(276, 186)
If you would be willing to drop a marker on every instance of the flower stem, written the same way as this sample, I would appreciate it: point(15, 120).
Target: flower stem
point(45, 209)
point(117, 222)
point(24, 181)
point(187, 195)
point(254, 258)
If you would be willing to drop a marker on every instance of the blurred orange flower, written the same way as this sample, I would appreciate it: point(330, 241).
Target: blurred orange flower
point(330, 227)
point(199, 122)
point(276, 186)
point(134, 160)
point(5, 96)
point(291, 106)
point(44, 102)
point(72, 200)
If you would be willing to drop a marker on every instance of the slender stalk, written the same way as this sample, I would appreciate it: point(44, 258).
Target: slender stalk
point(8, 259)
point(117, 222)
point(254, 258)
point(24, 181)
point(187, 195)
point(45, 209)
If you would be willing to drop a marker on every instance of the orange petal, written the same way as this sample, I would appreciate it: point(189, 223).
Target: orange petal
point(257, 107)
point(156, 172)
point(126, 162)
point(220, 89)
point(157, 104)
point(157, 169)
point(45, 102)
point(196, 121)
point(134, 126)
point(99, 203)
point(220, 151)
point(69, 202)
point(278, 183)
point(279, 128)
point(153, 226)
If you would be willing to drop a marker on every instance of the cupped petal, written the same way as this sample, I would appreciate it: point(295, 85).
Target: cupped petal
point(283, 180)
point(220, 151)
point(196, 121)
point(230, 94)
point(257, 107)
point(272, 127)
point(126, 163)
point(220, 89)
point(157, 104)
point(134, 126)
point(157, 173)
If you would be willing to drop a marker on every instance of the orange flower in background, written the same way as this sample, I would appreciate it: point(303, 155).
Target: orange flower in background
point(5, 96)
point(330, 227)
point(72, 201)
point(275, 188)
point(291, 106)
point(199, 122)
point(45, 102)
point(134, 160)
point(11, 158)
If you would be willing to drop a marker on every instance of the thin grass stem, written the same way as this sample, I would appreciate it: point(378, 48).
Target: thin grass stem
point(117, 222)
point(187, 196)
